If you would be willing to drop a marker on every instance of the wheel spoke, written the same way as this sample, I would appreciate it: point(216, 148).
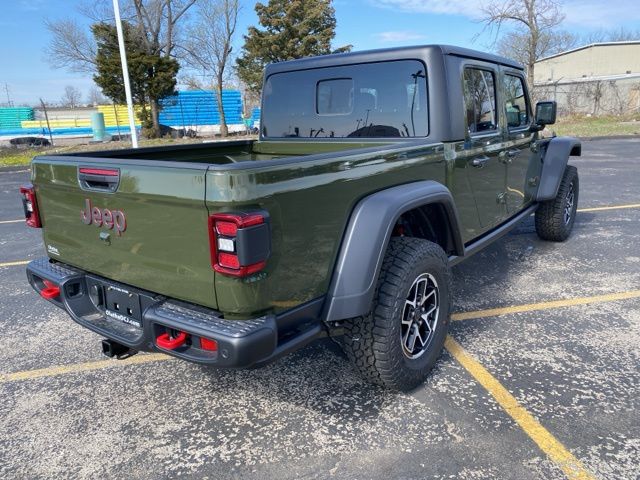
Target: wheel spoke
point(422, 290)
point(568, 207)
point(419, 337)
point(427, 296)
point(425, 316)
point(406, 337)
point(419, 315)
point(411, 341)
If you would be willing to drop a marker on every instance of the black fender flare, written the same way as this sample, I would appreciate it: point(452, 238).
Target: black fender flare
point(554, 162)
point(366, 239)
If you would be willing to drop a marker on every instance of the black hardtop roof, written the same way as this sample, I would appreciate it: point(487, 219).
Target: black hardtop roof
point(386, 54)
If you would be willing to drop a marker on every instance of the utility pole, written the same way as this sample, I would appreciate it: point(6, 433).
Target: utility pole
point(6, 89)
point(125, 75)
point(46, 117)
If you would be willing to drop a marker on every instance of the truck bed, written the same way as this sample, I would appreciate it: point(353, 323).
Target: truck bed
point(167, 194)
point(228, 152)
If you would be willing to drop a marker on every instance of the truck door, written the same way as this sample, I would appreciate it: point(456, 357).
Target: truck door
point(484, 142)
point(517, 153)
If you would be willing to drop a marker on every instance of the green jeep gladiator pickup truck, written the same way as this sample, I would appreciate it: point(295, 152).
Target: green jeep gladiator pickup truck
point(374, 173)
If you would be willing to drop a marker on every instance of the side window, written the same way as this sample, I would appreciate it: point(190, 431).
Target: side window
point(516, 104)
point(480, 100)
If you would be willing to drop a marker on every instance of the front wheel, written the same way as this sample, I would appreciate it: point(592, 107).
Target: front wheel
point(555, 218)
point(398, 343)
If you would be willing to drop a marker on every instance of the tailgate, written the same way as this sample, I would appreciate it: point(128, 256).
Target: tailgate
point(150, 231)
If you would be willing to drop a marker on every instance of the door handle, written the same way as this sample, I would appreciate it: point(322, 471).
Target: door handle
point(480, 162)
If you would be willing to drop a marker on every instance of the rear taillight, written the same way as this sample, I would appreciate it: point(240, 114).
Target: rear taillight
point(240, 242)
point(30, 206)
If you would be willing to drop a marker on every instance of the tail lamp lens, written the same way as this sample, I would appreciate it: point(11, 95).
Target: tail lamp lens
point(30, 206)
point(240, 243)
point(228, 260)
point(228, 229)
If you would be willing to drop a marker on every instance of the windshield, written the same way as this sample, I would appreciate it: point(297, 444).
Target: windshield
point(386, 99)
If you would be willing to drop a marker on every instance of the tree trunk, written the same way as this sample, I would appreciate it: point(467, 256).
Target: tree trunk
point(224, 130)
point(154, 117)
point(534, 37)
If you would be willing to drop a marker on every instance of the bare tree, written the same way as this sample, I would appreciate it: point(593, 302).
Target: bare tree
point(595, 92)
point(619, 102)
point(158, 22)
point(616, 35)
point(573, 93)
point(210, 45)
point(515, 45)
point(191, 82)
point(71, 46)
point(96, 97)
point(535, 23)
point(72, 97)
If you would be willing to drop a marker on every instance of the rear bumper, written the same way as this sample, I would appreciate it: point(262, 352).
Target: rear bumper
point(240, 343)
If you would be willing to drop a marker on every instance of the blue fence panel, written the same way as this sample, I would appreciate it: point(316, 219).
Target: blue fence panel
point(255, 116)
point(11, 117)
point(188, 108)
point(200, 107)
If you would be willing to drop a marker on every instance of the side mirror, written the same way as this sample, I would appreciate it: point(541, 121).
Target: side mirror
point(546, 113)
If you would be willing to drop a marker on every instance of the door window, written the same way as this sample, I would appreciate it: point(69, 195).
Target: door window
point(480, 100)
point(516, 104)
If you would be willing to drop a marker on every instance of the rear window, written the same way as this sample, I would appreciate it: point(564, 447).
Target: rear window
point(386, 99)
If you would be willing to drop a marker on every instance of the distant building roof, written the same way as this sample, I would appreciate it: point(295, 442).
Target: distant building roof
point(584, 47)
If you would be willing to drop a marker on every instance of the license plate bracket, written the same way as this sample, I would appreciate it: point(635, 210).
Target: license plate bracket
point(123, 305)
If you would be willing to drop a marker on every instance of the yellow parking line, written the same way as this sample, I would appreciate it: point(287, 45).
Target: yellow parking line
point(531, 307)
point(556, 451)
point(81, 367)
point(612, 207)
point(13, 264)
point(12, 221)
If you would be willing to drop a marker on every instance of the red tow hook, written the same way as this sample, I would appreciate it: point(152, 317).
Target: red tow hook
point(166, 341)
point(50, 290)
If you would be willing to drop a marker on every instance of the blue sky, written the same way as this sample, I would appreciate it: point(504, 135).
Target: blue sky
point(363, 23)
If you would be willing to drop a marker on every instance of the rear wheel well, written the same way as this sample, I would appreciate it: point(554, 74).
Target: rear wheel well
point(429, 222)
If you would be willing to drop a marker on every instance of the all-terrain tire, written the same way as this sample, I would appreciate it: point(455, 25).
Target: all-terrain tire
point(555, 218)
point(374, 343)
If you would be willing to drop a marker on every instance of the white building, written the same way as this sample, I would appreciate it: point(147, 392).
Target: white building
point(601, 78)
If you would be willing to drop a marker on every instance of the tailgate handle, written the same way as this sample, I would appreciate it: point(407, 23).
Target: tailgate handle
point(99, 179)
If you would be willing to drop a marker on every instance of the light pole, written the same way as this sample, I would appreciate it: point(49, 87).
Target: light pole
point(125, 75)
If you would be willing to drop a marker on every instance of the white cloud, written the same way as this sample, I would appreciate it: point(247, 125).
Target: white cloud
point(398, 36)
point(452, 7)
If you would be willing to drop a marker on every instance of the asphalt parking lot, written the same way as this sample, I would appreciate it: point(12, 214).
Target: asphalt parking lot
point(540, 380)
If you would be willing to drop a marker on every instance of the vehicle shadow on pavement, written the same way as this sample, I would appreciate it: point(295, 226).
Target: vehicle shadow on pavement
point(318, 377)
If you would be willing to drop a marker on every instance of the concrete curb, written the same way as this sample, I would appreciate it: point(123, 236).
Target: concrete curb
point(14, 168)
point(610, 137)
